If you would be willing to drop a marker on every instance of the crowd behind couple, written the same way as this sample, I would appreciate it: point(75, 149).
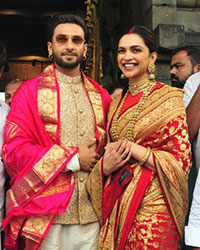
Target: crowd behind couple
point(88, 172)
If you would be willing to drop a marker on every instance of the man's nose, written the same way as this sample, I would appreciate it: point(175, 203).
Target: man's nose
point(69, 44)
point(173, 71)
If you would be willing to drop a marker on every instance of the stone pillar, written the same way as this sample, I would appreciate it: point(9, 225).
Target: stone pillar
point(175, 23)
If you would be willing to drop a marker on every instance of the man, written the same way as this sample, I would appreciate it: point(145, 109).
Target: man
point(191, 100)
point(53, 132)
point(11, 88)
point(3, 113)
point(185, 61)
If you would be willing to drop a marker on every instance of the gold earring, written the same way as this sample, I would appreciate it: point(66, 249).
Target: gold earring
point(151, 69)
point(122, 76)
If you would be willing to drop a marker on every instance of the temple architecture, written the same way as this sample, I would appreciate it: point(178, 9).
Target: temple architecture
point(175, 23)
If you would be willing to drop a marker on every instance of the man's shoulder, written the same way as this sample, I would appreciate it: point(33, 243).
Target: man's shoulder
point(193, 80)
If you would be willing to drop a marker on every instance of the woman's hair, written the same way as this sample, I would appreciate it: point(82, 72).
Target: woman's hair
point(147, 36)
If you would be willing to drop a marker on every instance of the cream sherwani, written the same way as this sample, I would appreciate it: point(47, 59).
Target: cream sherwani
point(78, 227)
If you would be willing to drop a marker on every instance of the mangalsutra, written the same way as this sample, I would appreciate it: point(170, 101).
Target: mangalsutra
point(147, 86)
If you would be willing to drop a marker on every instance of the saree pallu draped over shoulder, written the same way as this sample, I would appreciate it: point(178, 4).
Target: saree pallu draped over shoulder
point(138, 208)
point(34, 159)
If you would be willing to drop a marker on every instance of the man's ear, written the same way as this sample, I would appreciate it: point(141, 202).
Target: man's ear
point(50, 50)
point(85, 49)
point(1, 71)
point(197, 68)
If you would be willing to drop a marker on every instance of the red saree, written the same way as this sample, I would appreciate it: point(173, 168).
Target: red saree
point(34, 158)
point(148, 210)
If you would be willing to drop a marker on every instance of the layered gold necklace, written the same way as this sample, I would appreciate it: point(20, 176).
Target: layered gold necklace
point(134, 89)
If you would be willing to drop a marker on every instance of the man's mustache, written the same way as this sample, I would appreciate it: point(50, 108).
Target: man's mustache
point(174, 78)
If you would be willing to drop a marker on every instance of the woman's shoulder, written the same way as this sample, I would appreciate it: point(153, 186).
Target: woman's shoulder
point(163, 92)
point(161, 85)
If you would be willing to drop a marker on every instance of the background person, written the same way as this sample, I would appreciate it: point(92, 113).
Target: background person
point(10, 89)
point(185, 61)
point(4, 109)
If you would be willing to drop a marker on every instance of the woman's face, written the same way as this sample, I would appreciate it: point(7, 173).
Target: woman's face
point(134, 57)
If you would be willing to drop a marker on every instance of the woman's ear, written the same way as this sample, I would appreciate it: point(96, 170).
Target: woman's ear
point(153, 56)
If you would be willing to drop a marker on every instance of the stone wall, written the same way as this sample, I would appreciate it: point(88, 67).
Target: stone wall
point(176, 23)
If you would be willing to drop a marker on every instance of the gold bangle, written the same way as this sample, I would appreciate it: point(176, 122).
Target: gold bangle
point(145, 157)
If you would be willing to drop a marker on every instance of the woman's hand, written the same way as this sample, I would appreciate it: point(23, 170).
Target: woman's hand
point(116, 155)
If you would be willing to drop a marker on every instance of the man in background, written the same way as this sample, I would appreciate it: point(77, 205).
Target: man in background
point(11, 88)
point(3, 113)
point(185, 61)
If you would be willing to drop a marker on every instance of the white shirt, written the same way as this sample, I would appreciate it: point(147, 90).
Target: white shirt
point(4, 109)
point(190, 88)
point(192, 231)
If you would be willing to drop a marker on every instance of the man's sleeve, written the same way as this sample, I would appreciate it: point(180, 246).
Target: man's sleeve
point(192, 230)
point(188, 92)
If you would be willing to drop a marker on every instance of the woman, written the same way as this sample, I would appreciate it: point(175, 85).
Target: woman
point(139, 187)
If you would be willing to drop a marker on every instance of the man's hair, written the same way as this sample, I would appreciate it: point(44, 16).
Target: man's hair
point(192, 52)
point(66, 18)
point(3, 54)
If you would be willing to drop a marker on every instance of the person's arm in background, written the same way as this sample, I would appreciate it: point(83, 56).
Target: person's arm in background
point(4, 109)
point(192, 230)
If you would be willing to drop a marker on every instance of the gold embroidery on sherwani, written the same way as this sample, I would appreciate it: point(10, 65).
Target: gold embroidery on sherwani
point(97, 105)
point(77, 126)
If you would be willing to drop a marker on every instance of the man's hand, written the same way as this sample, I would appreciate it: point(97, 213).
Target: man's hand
point(87, 156)
point(116, 155)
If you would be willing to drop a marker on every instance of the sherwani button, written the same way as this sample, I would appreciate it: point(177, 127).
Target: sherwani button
point(81, 179)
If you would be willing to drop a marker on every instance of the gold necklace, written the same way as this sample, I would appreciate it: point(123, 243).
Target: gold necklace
point(135, 88)
point(139, 107)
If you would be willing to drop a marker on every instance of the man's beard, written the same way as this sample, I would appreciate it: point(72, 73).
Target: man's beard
point(176, 82)
point(68, 64)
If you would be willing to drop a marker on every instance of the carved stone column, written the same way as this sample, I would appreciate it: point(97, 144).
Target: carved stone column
point(93, 63)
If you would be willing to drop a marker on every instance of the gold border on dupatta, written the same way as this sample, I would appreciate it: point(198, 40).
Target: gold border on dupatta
point(43, 170)
point(35, 226)
point(163, 105)
point(94, 188)
point(178, 205)
point(48, 101)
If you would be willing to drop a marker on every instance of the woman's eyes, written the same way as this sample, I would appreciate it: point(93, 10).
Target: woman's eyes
point(133, 50)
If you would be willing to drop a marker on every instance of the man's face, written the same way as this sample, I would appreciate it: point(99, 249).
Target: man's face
point(10, 90)
point(68, 47)
point(181, 69)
